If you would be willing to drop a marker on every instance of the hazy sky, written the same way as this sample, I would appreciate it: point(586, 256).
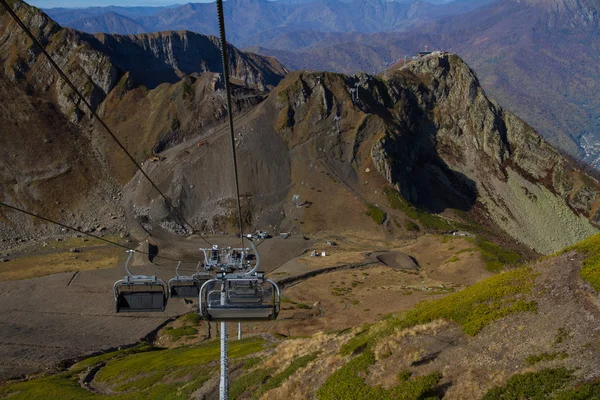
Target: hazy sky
point(89, 3)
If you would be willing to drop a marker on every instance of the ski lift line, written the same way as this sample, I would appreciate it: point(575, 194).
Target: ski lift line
point(225, 60)
point(82, 232)
point(93, 113)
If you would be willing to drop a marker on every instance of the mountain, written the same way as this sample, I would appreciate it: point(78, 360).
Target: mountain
point(65, 15)
point(429, 136)
point(158, 90)
point(247, 20)
point(535, 57)
point(109, 22)
point(154, 90)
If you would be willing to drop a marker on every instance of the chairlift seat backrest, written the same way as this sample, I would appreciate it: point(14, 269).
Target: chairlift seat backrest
point(245, 299)
point(184, 287)
point(149, 301)
point(185, 291)
point(139, 293)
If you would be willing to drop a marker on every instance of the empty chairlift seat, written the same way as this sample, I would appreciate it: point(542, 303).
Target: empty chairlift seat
point(139, 293)
point(187, 286)
point(240, 298)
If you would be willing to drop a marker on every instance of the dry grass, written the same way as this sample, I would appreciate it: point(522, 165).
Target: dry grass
point(391, 343)
point(289, 350)
point(304, 383)
point(47, 264)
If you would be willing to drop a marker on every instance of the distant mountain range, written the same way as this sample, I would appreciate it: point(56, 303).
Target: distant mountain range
point(253, 21)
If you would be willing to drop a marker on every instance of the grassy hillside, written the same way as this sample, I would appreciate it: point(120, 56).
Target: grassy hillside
point(499, 327)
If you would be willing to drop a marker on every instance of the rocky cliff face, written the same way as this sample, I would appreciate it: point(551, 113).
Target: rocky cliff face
point(519, 178)
point(432, 133)
point(157, 58)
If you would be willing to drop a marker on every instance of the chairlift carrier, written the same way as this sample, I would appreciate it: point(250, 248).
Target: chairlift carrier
point(139, 293)
point(239, 296)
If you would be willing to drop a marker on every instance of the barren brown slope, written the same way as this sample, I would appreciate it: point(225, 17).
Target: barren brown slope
point(149, 109)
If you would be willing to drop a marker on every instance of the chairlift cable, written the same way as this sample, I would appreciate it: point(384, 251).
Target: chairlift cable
point(95, 115)
point(225, 60)
point(82, 232)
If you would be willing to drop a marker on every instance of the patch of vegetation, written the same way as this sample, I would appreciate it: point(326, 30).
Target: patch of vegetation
point(538, 385)
point(177, 333)
point(428, 220)
point(143, 367)
point(562, 335)
point(536, 358)
point(281, 377)
point(495, 257)
point(470, 249)
point(583, 391)
point(261, 380)
point(252, 362)
point(376, 214)
point(472, 308)
point(590, 272)
point(348, 383)
point(298, 305)
point(412, 227)
point(248, 382)
point(340, 291)
point(179, 357)
point(452, 260)
point(191, 318)
point(33, 266)
point(91, 361)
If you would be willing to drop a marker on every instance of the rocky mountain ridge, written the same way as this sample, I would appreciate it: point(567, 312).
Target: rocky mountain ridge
point(430, 132)
point(536, 58)
point(142, 86)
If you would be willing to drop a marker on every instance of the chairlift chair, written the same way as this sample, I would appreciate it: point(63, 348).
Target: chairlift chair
point(201, 276)
point(239, 298)
point(184, 286)
point(139, 293)
point(212, 257)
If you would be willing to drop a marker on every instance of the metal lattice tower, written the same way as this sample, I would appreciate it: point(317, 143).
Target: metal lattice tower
point(224, 384)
